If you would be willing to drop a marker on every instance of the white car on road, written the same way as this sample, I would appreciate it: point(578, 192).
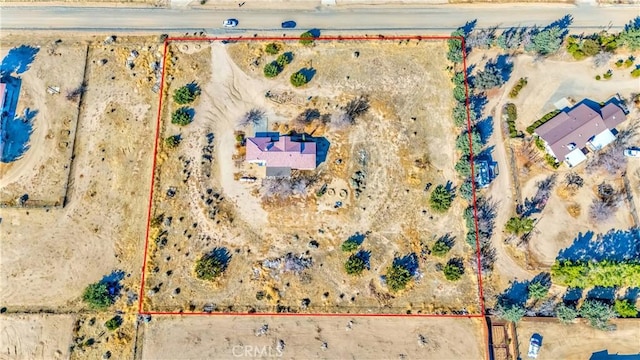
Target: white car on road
point(229, 23)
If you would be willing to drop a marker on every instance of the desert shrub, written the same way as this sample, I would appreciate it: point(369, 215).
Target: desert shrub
point(488, 78)
point(272, 48)
point(97, 296)
point(284, 59)
point(441, 247)
point(586, 274)
point(602, 58)
point(598, 77)
point(355, 264)
point(566, 314)
point(462, 142)
point(463, 167)
point(466, 190)
point(455, 47)
point(538, 290)
point(460, 93)
point(510, 312)
point(512, 115)
point(590, 47)
point(630, 36)
point(629, 61)
point(519, 225)
point(531, 128)
point(186, 94)
point(635, 72)
point(619, 63)
point(306, 38)
point(252, 117)
point(357, 107)
point(551, 161)
point(213, 264)
point(453, 270)
point(539, 143)
point(522, 82)
point(597, 313)
point(608, 74)
point(298, 79)
point(283, 188)
point(351, 244)
point(624, 308)
point(181, 116)
point(173, 141)
point(113, 323)
point(272, 69)
point(440, 199)
point(397, 277)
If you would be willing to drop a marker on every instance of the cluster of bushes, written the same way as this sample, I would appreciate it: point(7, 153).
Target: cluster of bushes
point(597, 312)
point(606, 75)
point(183, 96)
point(454, 269)
point(586, 274)
point(275, 67)
point(626, 63)
point(512, 115)
point(584, 46)
point(635, 72)
point(357, 262)
point(173, 141)
point(519, 225)
point(522, 82)
point(397, 277)
point(97, 295)
point(551, 161)
point(531, 128)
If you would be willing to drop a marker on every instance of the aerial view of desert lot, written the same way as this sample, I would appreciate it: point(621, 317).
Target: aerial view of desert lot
point(471, 193)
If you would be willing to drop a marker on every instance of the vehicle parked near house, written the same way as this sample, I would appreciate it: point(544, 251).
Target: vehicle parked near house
point(534, 346)
point(632, 152)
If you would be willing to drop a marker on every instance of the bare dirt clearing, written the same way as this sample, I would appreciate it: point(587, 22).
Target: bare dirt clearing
point(42, 172)
point(50, 255)
point(313, 338)
point(41, 337)
point(579, 340)
point(199, 204)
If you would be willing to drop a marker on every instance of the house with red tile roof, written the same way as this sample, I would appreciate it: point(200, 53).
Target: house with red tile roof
point(572, 133)
point(281, 154)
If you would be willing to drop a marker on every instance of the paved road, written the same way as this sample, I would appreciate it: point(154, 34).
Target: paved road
point(436, 19)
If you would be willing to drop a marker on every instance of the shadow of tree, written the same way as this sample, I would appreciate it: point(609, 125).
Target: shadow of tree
point(618, 245)
point(18, 60)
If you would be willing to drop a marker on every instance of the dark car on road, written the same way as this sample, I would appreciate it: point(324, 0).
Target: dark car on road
point(290, 24)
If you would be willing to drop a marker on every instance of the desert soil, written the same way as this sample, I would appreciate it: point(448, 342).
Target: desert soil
point(210, 209)
point(356, 338)
point(102, 227)
point(43, 172)
point(579, 340)
point(37, 336)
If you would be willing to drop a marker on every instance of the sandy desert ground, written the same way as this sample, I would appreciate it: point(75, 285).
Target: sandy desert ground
point(579, 340)
point(344, 338)
point(102, 227)
point(43, 173)
point(394, 207)
point(37, 336)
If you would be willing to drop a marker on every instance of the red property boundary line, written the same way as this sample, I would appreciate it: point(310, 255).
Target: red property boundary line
point(321, 38)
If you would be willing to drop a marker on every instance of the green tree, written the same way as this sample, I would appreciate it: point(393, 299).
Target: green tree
point(566, 314)
point(272, 69)
point(463, 167)
point(212, 265)
point(351, 244)
point(173, 141)
point(355, 264)
point(460, 93)
point(466, 190)
point(97, 296)
point(597, 312)
point(272, 48)
point(462, 142)
point(181, 117)
point(453, 270)
point(489, 78)
point(306, 38)
point(298, 79)
point(441, 199)
point(519, 225)
point(630, 36)
point(186, 94)
point(460, 114)
point(397, 277)
point(284, 59)
point(548, 41)
point(455, 47)
point(624, 308)
point(511, 312)
point(537, 290)
point(458, 78)
point(440, 248)
point(113, 323)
